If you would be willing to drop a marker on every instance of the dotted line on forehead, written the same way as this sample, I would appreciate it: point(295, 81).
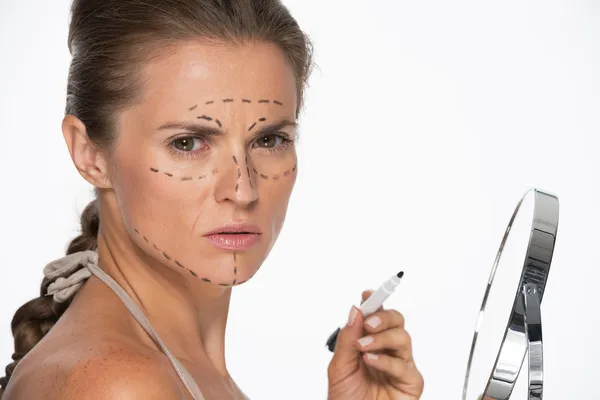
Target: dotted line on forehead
point(245, 101)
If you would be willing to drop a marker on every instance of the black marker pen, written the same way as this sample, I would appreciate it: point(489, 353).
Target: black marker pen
point(372, 304)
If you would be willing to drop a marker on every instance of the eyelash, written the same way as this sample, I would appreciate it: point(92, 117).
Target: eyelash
point(286, 142)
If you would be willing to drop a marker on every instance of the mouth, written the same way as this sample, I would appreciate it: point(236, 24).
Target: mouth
point(234, 237)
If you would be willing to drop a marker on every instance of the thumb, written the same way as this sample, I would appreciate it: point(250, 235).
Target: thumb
point(346, 354)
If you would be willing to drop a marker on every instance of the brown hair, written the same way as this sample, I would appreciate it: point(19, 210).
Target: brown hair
point(108, 40)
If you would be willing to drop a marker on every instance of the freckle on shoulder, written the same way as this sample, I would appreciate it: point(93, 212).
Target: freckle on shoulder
point(115, 372)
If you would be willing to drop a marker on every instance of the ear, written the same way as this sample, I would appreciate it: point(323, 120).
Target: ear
point(88, 159)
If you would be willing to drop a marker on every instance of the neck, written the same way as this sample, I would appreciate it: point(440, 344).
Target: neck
point(190, 316)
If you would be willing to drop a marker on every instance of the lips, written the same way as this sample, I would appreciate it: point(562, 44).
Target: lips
point(234, 237)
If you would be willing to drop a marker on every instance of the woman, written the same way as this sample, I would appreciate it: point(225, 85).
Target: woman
point(182, 114)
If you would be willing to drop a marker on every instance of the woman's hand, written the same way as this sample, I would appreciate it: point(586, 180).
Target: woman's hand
point(382, 367)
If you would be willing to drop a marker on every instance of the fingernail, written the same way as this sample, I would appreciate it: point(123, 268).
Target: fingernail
point(374, 322)
point(352, 316)
point(372, 356)
point(367, 340)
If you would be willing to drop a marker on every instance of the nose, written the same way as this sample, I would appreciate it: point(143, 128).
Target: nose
point(235, 182)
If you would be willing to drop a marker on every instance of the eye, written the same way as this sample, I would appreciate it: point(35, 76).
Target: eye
point(187, 143)
point(270, 141)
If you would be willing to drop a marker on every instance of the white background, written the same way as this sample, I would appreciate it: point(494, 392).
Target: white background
point(425, 123)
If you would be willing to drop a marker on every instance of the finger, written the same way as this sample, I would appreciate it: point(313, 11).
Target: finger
point(365, 295)
point(382, 320)
point(395, 342)
point(404, 372)
point(346, 355)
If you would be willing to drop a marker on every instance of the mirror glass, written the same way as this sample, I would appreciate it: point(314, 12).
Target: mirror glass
point(502, 288)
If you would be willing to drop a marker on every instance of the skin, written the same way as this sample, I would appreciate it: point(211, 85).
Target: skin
point(97, 350)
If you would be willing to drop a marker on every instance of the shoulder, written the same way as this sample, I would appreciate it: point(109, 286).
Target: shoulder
point(114, 372)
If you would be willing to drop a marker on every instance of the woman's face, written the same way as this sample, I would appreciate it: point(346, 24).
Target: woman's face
point(203, 167)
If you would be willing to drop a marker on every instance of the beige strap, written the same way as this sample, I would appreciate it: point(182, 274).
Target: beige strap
point(70, 272)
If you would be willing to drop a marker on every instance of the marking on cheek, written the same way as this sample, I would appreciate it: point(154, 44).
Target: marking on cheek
point(187, 178)
point(206, 117)
point(263, 119)
point(251, 126)
point(237, 187)
point(246, 101)
point(235, 160)
point(153, 170)
point(264, 176)
point(223, 284)
point(239, 173)
point(165, 255)
point(170, 175)
point(234, 256)
point(277, 102)
point(218, 123)
point(192, 108)
point(227, 100)
point(209, 102)
point(294, 169)
point(263, 101)
point(255, 171)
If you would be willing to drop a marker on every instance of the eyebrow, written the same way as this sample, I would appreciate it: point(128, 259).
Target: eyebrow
point(200, 129)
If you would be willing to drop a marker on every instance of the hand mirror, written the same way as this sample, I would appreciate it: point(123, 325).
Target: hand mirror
point(509, 325)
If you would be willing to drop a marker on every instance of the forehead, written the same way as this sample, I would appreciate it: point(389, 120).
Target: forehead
point(194, 72)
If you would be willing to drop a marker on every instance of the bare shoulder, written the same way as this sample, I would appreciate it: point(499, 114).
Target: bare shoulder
point(110, 371)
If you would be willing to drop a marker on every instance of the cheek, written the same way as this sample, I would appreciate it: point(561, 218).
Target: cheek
point(161, 204)
point(275, 196)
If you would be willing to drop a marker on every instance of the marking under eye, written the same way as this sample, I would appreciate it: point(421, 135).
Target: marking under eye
point(192, 108)
point(206, 280)
point(264, 176)
point(206, 117)
point(262, 119)
point(263, 101)
point(193, 273)
point(209, 102)
point(246, 101)
point(252, 126)
point(187, 178)
point(166, 256)
point(227, 100)
point(235, 160)
point(218, 123)
point(278, 102)
point(178, 263)
point(168, 174)
point(153, 170)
